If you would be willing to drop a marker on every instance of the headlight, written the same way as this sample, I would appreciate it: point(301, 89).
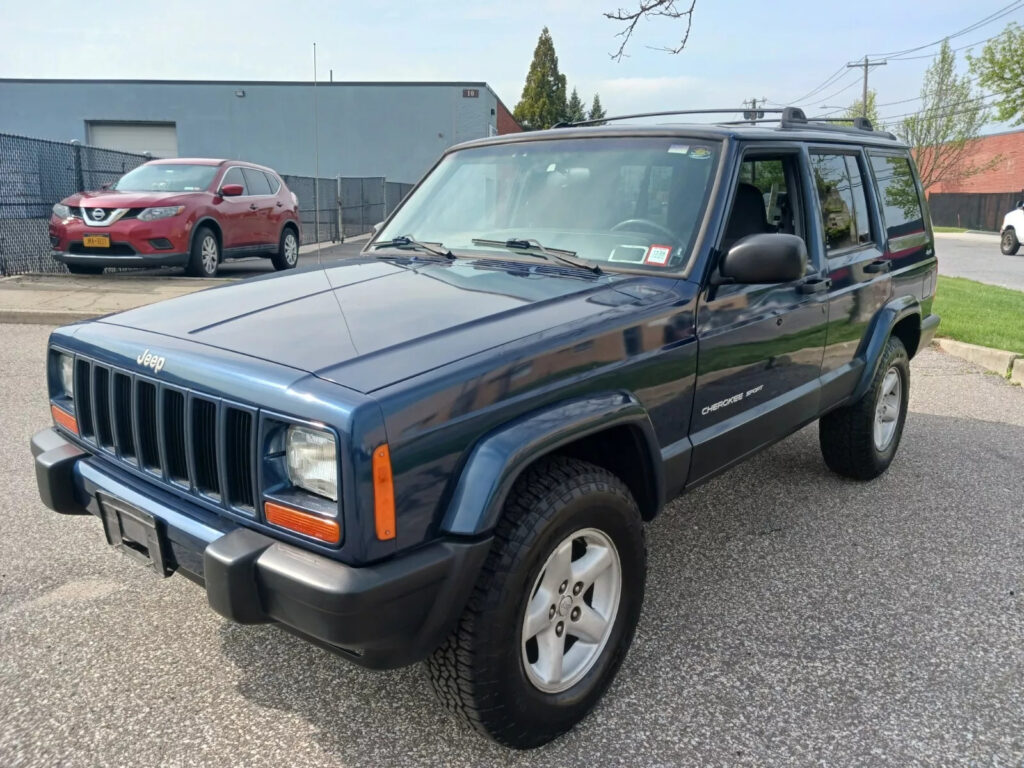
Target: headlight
point(66, 372)
point(61, 211)
point(312, 458)
point(152, 214)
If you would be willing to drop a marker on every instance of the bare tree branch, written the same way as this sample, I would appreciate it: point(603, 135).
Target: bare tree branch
point(647, 9)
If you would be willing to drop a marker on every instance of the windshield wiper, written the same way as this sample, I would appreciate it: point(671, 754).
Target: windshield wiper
point(405, 241)
point(532, 247)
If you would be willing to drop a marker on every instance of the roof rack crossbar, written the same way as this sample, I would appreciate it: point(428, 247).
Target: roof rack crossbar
point(788, 117)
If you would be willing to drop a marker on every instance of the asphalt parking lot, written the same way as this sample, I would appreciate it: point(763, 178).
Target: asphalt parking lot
point(792, 618)
point(976, 256)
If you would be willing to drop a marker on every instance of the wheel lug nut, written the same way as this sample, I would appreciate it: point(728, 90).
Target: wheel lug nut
point(559, 629)
point(565, 585)
point(551, 612)
point(577, 588)
point(575, 615)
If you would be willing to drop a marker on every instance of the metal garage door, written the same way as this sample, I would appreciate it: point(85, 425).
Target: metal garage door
point(159, 139)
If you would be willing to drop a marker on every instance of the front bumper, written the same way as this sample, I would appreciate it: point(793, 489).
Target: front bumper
point(128, 260)
point(382, 615)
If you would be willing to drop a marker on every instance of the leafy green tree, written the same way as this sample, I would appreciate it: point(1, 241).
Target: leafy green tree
point(1000, 69)
point(951, 116)
point(596, 110)
point(856, 109)
point(576, 110)
point(543, 101)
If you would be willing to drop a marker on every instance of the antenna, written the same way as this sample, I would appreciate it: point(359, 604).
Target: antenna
point(316, 161)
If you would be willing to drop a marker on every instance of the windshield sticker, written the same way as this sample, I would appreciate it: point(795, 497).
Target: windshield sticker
point(679, 149)
point(700, 153)
point(658, 255)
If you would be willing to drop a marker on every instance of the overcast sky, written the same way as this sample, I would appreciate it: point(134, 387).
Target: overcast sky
point(737, 50)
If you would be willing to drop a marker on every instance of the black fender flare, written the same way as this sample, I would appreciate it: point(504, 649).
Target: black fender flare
point(498, 459)
point(878, 336)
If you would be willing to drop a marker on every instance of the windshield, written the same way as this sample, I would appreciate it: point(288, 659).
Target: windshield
point(167, 177)
point(627, 202)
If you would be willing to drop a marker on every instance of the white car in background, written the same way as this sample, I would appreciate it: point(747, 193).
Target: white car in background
point(1012, 230)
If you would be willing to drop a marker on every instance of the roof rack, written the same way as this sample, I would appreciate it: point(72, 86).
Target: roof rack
point(788, 117)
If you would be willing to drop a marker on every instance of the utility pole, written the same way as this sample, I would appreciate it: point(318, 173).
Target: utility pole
point(866, 65)
point(753, 114)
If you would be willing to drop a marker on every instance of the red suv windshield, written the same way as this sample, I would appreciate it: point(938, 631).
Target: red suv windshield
point(167, 177)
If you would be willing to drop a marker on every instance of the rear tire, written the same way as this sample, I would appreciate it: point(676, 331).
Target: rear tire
point(81, 269)
point(1008, 243)
point(205, 256)
point(569, 562)
point(287, 256)
point(860, 440)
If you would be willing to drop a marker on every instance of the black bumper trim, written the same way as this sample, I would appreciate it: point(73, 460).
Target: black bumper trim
point(390, 614)
point(384, 615)
point(137, 260)
point(55, 461)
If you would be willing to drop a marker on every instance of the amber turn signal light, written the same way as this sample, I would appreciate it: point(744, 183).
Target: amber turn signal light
point(320, 528)
point(65, 419)
point(383, 494)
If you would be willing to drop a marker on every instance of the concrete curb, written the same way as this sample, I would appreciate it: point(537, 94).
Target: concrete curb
point(1017, 377)
point(1006, 364)
point(45, 316)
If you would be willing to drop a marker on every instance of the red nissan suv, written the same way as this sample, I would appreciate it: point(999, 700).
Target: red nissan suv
point(183, 212)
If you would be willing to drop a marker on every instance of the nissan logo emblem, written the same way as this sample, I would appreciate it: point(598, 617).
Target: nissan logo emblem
point(97, 214)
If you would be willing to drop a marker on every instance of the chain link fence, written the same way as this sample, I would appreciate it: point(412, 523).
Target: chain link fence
point(36, 173)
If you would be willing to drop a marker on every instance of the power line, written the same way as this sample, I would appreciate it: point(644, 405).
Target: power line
point(971, 81)
point(1004, 11)
point(955, 50)
point(938, 110)
point(828, 81)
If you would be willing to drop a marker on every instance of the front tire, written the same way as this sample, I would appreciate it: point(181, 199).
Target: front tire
point(1008, 243)
point(860, 440)
point(554, 609)
point(287, 255)
point(205, 257)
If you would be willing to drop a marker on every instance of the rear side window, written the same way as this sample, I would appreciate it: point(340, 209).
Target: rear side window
point(256, 182)
point(234, 176)
point(273, 182)
point(841, 196)
point(901, 205)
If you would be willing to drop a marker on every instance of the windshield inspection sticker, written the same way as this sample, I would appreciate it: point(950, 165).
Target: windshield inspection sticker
point(658, 255)
point(679, 149)
point(700, 153)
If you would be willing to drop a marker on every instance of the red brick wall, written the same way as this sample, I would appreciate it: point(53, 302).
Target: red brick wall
point(506, 123)
point(1007, 175)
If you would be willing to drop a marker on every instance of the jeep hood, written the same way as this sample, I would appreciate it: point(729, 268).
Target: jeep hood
point(367, 323)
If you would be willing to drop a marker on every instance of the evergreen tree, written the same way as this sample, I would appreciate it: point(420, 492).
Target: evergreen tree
point(543, 101)
point(596, 110)
point(575, 112)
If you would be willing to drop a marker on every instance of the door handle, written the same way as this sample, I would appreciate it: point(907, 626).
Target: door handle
point(815, 285)
point(280, 204)
point(252, 206)
point(878, 266)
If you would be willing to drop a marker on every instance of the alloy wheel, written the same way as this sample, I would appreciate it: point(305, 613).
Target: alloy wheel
point(571, 610)
point(887, 409)
point(209, 254)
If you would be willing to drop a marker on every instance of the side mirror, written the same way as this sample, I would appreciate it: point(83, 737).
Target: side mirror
point(1020, 203)
point(231, 190)
point(764, 258)
point(377, 226)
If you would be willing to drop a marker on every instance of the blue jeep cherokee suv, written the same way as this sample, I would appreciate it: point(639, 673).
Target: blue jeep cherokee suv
point(446, 448)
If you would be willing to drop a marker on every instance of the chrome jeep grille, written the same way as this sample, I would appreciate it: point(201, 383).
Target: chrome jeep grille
point(178, 437)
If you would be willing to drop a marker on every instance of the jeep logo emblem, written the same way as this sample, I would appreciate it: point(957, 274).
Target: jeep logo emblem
point(151, 361)
point(98, 214)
